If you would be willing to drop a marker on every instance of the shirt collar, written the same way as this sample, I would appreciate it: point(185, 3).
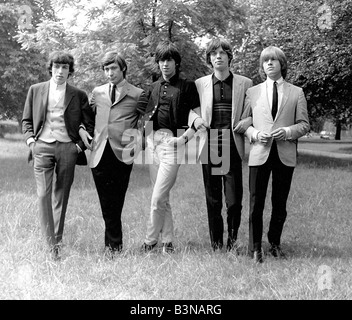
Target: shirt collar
point(228, 80)
point(120, 84)
point(56, 86)
point(172, 80)
point(271, 82)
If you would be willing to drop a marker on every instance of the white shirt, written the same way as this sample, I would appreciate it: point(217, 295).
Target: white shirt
point(119, 87)
point(280, 91)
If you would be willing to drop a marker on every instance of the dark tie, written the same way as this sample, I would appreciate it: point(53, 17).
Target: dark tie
point(113, 93)
point(274, 106)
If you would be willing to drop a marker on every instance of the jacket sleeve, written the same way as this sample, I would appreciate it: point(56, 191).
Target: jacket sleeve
point(27, 117)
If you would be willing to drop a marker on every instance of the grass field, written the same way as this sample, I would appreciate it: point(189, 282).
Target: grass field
point(317, 237)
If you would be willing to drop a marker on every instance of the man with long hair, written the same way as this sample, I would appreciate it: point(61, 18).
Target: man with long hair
point(221, 106)
point(167, 105)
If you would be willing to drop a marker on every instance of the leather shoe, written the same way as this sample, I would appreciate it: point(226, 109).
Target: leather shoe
point(168, 247)
point(277, 252)
point(148, 247)
point(258, 256)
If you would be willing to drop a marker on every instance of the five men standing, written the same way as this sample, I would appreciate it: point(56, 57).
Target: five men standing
point(59, 124)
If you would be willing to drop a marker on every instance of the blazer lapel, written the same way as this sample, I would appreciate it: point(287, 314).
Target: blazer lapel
point(237, 87)
point(45, 96)
point(285, 95)
point(123, 93)
point(265, 99)
point(208, 98)
point(68, 96)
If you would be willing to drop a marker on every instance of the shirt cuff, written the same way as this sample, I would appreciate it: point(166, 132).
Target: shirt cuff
point(288, 133)
point(78, 148)
point(254, 136)
point(30, 140)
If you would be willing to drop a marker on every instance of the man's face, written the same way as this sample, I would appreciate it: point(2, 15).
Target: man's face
point(167, 68)
point(113, 73)
point(272, 68)
point(60, 72)
point(219, 59)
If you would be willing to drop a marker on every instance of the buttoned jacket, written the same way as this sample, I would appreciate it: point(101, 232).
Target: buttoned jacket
point(180, 106)
point(116, 122)
point(292, 114)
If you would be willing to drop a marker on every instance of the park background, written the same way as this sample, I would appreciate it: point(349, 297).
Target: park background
point(315, 35)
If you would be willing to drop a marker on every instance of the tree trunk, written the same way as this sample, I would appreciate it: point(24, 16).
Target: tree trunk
point(338, 130)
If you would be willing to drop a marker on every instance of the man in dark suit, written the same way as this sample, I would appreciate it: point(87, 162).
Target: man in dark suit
point(280, 117)
point(52, 114)
point(114, 146)
point(221, 97)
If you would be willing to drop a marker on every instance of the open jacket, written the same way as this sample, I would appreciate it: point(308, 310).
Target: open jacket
point(76, 112)
point(205, 89)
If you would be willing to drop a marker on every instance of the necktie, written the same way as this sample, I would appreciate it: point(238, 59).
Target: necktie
point(274, 106)
point(113, 93)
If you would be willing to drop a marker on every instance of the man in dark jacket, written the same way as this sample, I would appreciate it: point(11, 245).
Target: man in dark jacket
point(53, 113)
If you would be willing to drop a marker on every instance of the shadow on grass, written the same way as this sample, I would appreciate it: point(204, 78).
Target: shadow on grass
point(314, 251)
point(321, 162)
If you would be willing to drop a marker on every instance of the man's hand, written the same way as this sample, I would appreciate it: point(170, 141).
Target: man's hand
point(200, 124)
point(31, 146)
point(86, 138)
point(177, 142)
point(263, 137)
point(242, 125)
point(279, 134)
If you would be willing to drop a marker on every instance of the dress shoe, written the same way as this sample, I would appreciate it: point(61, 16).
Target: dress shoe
point(277, 252)
point(168, 247)
point(148, 247)
point(258, 256)
point(55, 252)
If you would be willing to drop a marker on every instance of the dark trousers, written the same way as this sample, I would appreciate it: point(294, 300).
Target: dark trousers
point(230, 184)
point(111, 177)
point(258, 184)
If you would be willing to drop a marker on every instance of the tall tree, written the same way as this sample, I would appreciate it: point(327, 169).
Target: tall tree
point(316, 38)
point(18, 68)
point(133, 28)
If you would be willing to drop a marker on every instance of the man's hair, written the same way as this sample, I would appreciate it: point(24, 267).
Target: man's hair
point(62, 58)
point(276, 53)
point(114, 57)
point(216, 43)
point(166, 50)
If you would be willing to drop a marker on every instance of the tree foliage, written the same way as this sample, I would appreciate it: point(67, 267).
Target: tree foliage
point(18, 68)
point(316, 39)
point(315, 36)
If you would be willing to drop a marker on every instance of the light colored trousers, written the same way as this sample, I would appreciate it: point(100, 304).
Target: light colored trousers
point(164, 161)
point(53, 194)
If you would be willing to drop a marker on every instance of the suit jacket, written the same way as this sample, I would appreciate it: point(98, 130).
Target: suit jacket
point(292, 114)
point(76, 112)
point(116, 122)
point(204, 85)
